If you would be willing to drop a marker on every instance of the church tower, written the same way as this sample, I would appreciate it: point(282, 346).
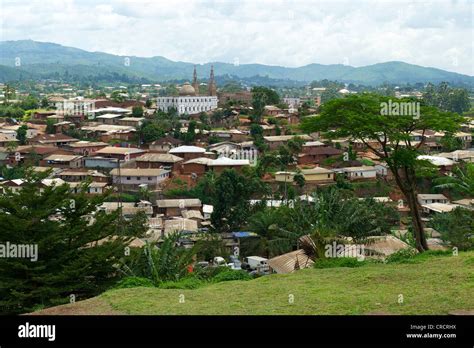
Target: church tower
point(195, 82)
point(212, 84)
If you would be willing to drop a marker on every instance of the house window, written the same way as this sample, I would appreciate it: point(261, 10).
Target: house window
point(138, 178)
point(149, 178)
point(128, 178)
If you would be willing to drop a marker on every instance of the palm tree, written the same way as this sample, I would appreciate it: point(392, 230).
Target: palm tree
point(169, 262)
point(460, 180)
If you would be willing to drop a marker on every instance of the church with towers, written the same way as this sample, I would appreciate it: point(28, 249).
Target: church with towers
point(189, 100)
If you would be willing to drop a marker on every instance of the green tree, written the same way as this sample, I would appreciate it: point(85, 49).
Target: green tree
point(360, 117)
point(169, 262)
point(299, 180)
point(29, 103)
point(58, 223)
point(456, 227)
point(9, 92)
point(117, 96)
point(447, 98)
point(231, 203)
point(50, 129)
point(45, 103)
point(137, 111)
point(150, 131)
point(461, 180)
point(330, 93)
point(262, 96)
point(295, 144)
point(450, 143)
point(190, 134)
point(21, 134)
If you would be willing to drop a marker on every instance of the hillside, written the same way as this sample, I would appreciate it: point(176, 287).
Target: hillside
point(49, 60)
point(429, 285)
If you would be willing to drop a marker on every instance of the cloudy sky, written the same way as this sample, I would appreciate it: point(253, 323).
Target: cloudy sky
point(437, 33)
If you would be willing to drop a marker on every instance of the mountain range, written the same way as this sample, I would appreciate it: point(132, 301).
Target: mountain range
point(27, 59)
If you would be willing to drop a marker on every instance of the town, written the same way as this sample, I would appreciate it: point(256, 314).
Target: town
point(179, 167)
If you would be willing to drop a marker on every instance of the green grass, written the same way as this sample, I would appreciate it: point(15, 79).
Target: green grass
point(434, 284)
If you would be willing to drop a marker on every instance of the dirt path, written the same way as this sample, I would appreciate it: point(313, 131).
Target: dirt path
point(92, 306)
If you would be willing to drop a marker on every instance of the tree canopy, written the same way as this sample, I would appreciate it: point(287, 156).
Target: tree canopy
point(362, 117)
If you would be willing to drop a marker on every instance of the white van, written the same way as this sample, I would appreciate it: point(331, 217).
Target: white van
point(256, 263)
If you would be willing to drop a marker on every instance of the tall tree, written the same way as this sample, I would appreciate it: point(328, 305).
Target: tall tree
point(21, 134)
point(361, 117)
point(63, 228)
point(231, 203)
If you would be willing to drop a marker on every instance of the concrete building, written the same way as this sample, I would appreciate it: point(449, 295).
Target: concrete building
point(189, 101)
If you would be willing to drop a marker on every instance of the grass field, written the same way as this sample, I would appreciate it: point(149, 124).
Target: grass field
point(430, 285)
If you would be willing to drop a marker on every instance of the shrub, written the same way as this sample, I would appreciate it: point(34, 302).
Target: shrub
point(229, 275)
point(134, 282)
point(185, 283)
point(405, 255)
point(339, 262)
point(209, 273)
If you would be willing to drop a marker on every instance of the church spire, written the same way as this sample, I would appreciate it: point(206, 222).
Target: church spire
point(195, 82)
point(212, 83)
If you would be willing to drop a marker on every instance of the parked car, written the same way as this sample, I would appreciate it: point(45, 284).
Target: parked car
point(254, 263)
point(234, 263)
point(219, 261)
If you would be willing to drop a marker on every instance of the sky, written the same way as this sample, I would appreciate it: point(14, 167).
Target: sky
point(292, 33)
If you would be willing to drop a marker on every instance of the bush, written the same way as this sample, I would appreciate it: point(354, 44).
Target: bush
point(209, 273)
point(406, 255)
point(339, 262)
point(231, 275)
point(134, 282)
point(190, 282)
point(412, 256)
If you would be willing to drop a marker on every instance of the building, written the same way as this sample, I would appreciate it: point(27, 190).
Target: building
point(188, 152)
point(358, 173)
point(57, 139)
point(197, 166)
point(241, 97)
point(82, 175)
point(5, 139)
point(131, 121)
point(135, 178)
point(85, 148)
point(175, 207)
point(275, 141)
point(109, 118)
point(318, 175)
point(165, 144)
point(78, 106)
point(63, 161)
point(159, 160)
point(317, 154)
point(107, 132)
point(93, 188)
point(428, 198)
point(223, 163)
point(189, 101)
point(315, 175)
point(100, 162)
point(121, 153)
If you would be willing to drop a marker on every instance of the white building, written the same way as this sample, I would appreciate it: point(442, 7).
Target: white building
point(132, 178)
point(75, 106)
point(189, 101)
point(187, 104)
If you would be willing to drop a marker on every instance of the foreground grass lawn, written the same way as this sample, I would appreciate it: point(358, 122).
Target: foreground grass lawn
point(436, 285)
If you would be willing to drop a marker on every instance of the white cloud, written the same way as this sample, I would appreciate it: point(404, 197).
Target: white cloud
point(291, 33)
